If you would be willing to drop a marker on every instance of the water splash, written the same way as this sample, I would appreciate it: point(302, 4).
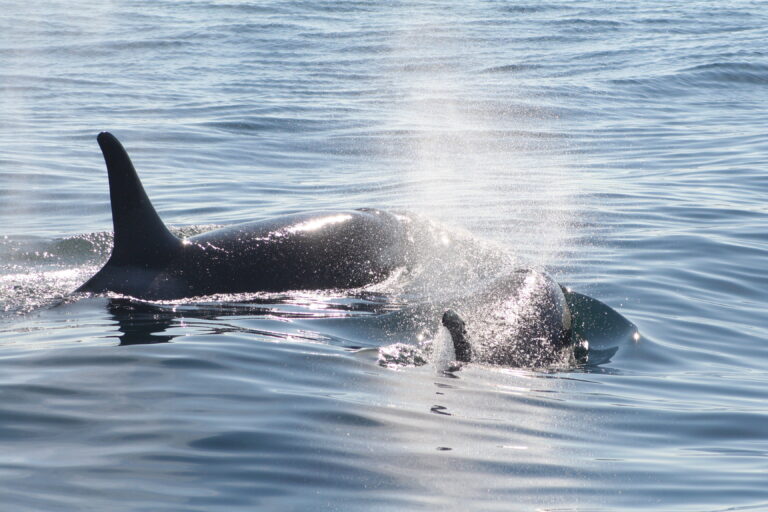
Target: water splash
point(36, 273)
point(498, 167)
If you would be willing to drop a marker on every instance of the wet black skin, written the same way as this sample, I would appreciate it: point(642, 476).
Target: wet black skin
point(455, 325)
point(542, 323)
point(342, 249)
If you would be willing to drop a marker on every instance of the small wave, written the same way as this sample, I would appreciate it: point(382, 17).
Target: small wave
point(530, 8)
point(19, 252)
point(141, 44)
point(703, 76)
point(587, 24)
point(266, 124)
point(731, 72)
point(512, 68)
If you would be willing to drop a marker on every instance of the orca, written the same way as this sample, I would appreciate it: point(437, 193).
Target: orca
point(524, 322)
point(307, 251)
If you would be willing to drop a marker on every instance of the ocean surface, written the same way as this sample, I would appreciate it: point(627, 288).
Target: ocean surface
point(620, 146)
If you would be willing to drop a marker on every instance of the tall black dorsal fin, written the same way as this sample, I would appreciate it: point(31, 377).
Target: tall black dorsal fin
point(141, 238)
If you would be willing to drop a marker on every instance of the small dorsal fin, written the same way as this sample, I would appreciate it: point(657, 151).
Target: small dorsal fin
point(141, 238)
point(458, 331)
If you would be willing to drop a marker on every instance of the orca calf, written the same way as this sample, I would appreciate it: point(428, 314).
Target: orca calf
point(525, 323)
point(326, 250)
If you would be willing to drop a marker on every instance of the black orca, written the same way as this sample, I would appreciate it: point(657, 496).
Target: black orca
point(325, 250)
point(525, 323)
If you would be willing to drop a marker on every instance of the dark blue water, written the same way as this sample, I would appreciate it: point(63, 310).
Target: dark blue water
point(621, 147)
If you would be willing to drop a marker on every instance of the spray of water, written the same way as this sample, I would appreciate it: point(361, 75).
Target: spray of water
point(489, 165)
point(478, 153)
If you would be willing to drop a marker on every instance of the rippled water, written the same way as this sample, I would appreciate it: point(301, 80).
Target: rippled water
point(621, 147)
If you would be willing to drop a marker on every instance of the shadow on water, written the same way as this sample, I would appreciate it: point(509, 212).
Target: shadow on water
point(141, 323)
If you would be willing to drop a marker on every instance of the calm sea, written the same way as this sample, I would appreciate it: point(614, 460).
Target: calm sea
point(620, 145)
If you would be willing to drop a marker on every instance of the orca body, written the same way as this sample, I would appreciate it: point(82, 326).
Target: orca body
point(326, 250)
point(525, 322)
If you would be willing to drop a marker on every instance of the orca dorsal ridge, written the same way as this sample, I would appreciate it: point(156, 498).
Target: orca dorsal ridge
point(141, 237)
